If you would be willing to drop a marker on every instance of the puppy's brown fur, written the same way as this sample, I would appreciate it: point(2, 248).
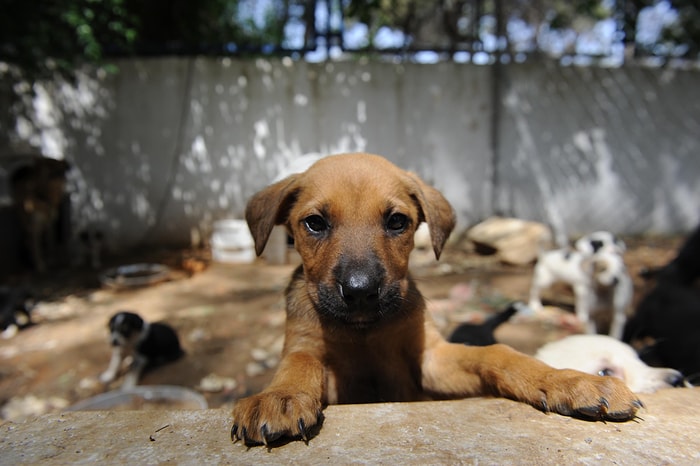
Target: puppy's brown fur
point(357, 330)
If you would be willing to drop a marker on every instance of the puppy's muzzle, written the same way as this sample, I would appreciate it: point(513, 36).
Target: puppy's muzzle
point(676, 379)
point(360, 294)
point(116, 339)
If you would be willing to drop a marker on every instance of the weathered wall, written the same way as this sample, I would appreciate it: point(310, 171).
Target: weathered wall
point(168, 145)
point(615, 148)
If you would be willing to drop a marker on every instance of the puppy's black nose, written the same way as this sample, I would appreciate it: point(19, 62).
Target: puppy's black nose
point(359, 287)
point(359, 282)
point(676, 380)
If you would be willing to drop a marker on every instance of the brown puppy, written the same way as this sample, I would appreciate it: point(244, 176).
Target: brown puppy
point(357, 330)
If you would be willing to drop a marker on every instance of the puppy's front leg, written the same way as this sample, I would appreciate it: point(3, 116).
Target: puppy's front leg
point(134, 374)
point(621, 300)
point(288, 407)
point(584, 304)
point(457, 370)
point(114, 363)
point(618, 324)
point(535, 302)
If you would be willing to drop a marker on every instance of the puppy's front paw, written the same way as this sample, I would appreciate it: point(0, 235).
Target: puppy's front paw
point(273, 414)
point(590, 397)
point(107, 377)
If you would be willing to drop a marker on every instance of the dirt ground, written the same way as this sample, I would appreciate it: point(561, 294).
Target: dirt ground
point(230, 320)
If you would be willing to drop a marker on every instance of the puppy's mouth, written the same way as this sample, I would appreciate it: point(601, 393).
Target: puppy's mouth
point(335, 303)
point(117, 339)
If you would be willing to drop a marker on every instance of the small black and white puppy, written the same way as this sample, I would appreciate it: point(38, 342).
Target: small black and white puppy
point(15, 310)
point(149, 345)
point(602, 286)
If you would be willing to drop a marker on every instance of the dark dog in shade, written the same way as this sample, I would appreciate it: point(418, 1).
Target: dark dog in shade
point(15, 310)
point(483, 334)
point(666, 324)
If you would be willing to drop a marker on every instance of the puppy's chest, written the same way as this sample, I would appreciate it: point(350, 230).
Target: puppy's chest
point(604, 295)
point(372, 377)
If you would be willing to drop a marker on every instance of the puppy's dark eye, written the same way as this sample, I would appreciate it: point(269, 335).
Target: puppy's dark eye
point(316, 224)
point(606, 371)
point(397, 223)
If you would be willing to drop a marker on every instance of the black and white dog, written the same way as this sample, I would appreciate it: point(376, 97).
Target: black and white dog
point(596, 272)
point(149, 345)
point(15, 310)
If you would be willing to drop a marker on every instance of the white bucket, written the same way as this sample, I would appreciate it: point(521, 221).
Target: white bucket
point(232, 243)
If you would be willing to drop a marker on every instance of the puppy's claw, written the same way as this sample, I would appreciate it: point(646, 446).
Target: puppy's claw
point(264, 432)
point(302, 430)
point(234, 433)
point(602, 412)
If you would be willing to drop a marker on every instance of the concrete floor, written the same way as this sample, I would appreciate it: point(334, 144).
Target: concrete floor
point(476, 431)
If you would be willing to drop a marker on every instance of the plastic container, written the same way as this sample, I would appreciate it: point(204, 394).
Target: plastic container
point(232, 243)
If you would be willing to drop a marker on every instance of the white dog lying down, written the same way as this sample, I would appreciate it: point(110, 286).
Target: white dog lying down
point(604, 355)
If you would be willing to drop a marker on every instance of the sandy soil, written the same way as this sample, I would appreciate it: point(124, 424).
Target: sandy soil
point(230, 319)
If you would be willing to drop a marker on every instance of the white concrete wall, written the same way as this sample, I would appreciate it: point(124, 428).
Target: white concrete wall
point(167, 145)
point(595, 147)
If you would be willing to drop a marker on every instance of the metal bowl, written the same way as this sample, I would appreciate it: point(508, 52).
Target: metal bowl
point(144, 397)
point(134, 275)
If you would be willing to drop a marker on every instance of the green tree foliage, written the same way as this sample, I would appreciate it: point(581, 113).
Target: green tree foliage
point(205, 26)
point(40, 36)
point(457, 21)
point(50, 36)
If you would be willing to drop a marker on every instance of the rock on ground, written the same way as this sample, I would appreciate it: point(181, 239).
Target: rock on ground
point(515, 241)
point(472, 431)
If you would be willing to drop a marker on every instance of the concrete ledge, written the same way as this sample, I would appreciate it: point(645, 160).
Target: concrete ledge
point(486, 431)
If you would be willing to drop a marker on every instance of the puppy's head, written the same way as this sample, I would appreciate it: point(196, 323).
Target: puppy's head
point(353, 217)
point(125, 328)
point(600, 242)
point(608, 268)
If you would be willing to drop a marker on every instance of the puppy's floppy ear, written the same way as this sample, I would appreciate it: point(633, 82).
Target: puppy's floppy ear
point(268, 208)
point(435, 210)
